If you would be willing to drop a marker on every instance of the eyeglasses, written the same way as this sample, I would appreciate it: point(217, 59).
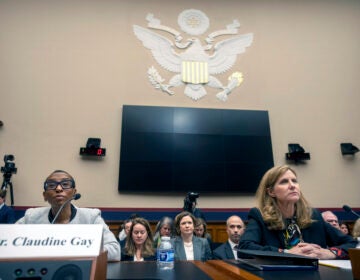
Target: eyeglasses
point(65, 184)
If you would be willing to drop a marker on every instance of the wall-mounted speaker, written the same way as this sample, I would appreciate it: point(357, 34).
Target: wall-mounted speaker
point(54, 268)
point(348, 149)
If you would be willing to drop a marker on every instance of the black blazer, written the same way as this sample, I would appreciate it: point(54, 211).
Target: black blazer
point(258, 237)
point(7, 215)
point(128, 258)
point(223, 252)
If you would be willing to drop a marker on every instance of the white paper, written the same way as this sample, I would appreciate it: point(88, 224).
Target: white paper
point(344, 264)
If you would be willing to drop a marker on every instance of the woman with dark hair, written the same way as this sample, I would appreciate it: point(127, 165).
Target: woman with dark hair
point(344, 227)
point(139, 242)
point(59, 190)
point(186, 245)
point(165, 227)
point(200, 230)
point(285, 222)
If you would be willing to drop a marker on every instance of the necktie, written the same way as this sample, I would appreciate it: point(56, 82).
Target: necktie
point(236, 247)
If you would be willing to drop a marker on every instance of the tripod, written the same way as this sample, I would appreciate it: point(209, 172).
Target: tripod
point(6, 183)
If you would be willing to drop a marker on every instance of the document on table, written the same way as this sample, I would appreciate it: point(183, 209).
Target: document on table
point(344, 264)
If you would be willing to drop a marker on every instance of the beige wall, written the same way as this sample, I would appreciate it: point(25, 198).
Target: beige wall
point(67, 67)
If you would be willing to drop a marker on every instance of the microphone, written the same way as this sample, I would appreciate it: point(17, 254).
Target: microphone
point(74, 197)
point(349, 210)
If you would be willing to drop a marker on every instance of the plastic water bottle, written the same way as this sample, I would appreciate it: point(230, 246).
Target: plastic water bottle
point(165, 254)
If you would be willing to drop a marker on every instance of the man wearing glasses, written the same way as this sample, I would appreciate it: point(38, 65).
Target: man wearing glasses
point(59, 190)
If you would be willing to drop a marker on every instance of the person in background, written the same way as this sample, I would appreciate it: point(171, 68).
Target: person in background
point(200, 230)
point(124, 231)
point(284, 221)
point(356, 232)
point(190, 205)
point(59, 188)
point(331, 218)
point(125, 227)
point(165, 227)
point(235, 228)
point(7, 214)
point(139, 242)
point(344, 227)
point(186, 245)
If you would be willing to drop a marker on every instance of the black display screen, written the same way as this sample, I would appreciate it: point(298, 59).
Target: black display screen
point(175, 149)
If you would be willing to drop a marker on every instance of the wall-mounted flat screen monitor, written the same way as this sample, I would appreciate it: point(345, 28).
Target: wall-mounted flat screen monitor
point(177, 150)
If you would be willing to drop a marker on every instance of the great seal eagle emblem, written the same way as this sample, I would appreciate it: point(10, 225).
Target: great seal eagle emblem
point(194, 64)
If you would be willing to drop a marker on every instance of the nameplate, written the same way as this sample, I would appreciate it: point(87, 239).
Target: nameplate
point(39, 240)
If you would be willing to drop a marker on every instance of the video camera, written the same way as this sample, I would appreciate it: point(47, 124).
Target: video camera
point(189, 200)
point(9, 168)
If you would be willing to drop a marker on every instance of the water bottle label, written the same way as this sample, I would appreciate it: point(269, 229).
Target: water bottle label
point(166, 256)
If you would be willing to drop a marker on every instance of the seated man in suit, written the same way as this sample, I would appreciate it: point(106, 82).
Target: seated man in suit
point(7, 214)
point(235, 228)
point(331, 218)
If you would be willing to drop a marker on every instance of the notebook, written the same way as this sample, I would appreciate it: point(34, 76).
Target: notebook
point(268, 260)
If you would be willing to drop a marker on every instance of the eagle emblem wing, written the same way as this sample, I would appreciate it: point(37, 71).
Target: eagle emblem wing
point(161, 48)
point(226, 52)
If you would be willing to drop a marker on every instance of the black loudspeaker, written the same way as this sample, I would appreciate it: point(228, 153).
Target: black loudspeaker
point(348, 149)
point(54, 269)
point(93, 143)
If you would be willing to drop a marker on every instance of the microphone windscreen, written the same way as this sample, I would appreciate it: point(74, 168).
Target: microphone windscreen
point(77, 196)
point(347, 208)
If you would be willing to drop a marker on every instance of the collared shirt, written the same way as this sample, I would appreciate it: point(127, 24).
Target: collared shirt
point(234, 247)
point(2, 205)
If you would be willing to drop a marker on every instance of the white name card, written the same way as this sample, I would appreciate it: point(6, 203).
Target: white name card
point(35, 240)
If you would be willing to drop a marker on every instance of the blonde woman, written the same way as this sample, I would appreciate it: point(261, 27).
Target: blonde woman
point(356, 232)
point(139, 242)
point(285, 222)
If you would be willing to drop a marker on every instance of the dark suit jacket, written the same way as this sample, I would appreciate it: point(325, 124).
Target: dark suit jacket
point(223, 252)
point(258, 237)
point(7, 215)
point(125, 257)
point(202, 251)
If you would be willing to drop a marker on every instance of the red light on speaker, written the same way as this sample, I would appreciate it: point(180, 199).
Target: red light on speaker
point(98, 152)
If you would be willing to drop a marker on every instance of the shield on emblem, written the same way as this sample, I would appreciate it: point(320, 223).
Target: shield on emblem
point(195, 72)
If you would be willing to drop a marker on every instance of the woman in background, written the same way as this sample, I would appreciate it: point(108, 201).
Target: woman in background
point(186, 245)
point(201, 230)
point(139, 242)
point(344, 227)
point(165, 227)
point(284, 221)
point(356, 232)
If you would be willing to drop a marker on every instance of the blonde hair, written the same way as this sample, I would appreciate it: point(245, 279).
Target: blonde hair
point(148, 248)
point(356, 229)
point(268, 205)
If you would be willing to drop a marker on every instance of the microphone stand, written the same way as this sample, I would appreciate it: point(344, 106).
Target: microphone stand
point(74, 197)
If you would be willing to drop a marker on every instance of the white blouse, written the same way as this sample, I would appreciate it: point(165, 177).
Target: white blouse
point(189, 251)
